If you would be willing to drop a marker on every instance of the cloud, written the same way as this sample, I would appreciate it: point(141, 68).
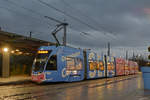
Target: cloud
point(124, 23)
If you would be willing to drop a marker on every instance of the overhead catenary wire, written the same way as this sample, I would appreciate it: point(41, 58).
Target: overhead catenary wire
point(84, 14)
point(82, 33)
point(29, 10)
point(106, 31)
point(77, 19)
point(63, 12)
point(37, 13)
point(53, 19)
point(15, 12)
point(41, 15)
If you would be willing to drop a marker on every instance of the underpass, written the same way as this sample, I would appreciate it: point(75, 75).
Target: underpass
point(17, 53)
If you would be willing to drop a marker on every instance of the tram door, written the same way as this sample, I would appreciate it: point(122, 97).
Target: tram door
point(85, 64)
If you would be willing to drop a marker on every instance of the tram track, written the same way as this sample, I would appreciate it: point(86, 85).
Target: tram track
point(29, 95)
point(16, 86)
point(42, 85)
point(76, 86)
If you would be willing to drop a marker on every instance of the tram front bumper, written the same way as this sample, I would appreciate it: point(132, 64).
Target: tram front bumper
point(38, 78)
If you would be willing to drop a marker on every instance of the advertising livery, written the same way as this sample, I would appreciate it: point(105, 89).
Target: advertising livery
point(66, 64)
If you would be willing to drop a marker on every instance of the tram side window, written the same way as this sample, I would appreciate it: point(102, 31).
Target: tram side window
point(101, 66)
point(70, 63)
point(97, 66)
point(109, 65)
point(92, 65)
point(78, 63)
point(112, 66)
point(52, 63)
point(74, 63)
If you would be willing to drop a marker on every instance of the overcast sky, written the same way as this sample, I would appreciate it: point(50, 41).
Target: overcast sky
point(123, 23)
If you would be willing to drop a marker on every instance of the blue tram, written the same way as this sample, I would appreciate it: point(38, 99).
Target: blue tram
point(66, 64)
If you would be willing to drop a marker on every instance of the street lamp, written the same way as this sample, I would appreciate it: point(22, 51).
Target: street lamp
point(5, 49)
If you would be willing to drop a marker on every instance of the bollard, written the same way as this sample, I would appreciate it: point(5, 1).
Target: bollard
point(146, 77)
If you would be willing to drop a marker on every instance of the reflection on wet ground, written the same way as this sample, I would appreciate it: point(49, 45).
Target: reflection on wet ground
point(118, 88)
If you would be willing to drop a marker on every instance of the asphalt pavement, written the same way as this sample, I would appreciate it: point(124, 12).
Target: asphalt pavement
point(118, 88)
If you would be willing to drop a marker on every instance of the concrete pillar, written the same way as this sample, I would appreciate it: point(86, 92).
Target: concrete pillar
point(5, 63)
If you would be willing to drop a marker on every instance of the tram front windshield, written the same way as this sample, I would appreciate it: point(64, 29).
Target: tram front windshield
point(40, 60)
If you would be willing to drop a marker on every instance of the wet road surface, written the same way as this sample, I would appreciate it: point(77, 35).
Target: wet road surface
point(118, 88)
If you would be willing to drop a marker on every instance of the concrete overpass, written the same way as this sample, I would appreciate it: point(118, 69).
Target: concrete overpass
point(11, 43)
